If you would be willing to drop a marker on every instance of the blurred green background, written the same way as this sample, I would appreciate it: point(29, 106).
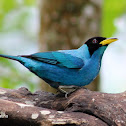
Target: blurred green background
point(19, 34)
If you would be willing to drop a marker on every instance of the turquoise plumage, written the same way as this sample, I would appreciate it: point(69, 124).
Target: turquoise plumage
point(77, 67)
point(59, 59)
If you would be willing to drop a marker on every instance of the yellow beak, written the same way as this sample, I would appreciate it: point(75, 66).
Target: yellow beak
point(108, 41)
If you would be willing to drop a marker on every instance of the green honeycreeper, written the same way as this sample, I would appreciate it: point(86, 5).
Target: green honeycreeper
point(76, 67)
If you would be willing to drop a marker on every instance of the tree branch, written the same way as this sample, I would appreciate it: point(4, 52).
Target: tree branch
point(83, 107)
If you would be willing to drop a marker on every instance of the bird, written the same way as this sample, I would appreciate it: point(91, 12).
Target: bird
point(67, 68)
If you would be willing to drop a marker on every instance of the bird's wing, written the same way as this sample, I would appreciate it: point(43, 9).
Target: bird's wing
point(58, 58)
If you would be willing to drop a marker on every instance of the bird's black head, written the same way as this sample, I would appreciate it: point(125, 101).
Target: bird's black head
point(96, 42)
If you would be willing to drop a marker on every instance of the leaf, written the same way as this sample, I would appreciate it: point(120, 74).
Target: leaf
point(29, 2)
point(111, 11)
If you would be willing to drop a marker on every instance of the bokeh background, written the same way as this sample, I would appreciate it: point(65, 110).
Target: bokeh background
point(30, 26)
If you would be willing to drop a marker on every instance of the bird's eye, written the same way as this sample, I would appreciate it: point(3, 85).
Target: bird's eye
point(95, 41)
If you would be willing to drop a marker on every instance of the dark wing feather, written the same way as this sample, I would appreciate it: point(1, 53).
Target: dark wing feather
point(58, 58)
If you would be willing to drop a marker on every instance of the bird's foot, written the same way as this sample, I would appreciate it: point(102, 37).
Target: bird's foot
point(67, 90)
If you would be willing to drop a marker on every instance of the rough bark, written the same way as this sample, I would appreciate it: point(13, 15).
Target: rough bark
point(82, 108)
point(66, 24)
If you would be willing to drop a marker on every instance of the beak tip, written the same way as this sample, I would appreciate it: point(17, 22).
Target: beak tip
point(115, 38)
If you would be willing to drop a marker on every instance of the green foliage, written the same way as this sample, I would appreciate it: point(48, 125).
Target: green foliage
point(16, 11)
point(10, 6)
point(11, 77)
point(29, 2)
point(112, 9)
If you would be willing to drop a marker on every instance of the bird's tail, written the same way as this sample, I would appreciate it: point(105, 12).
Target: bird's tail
point(17, 58)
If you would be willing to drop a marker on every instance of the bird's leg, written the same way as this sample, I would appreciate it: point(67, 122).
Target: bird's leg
point(67, 89)
point(63, 91)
